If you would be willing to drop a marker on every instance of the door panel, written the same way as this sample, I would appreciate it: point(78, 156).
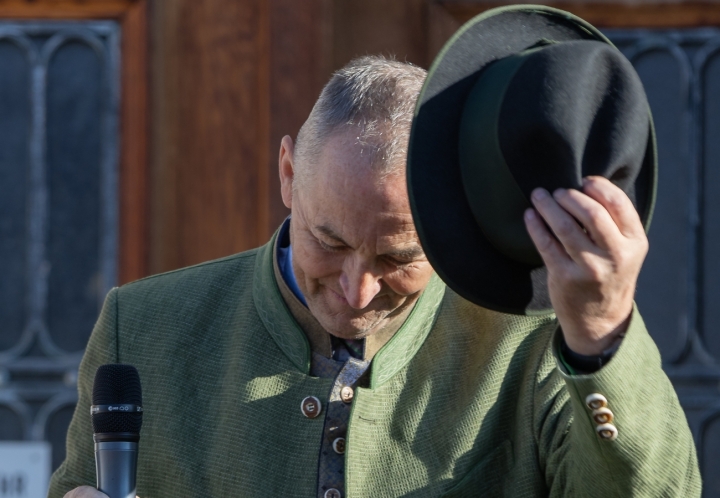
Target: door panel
point(679, 287)
point(663, 286)
point(14, 173)
point(74, 147)
point(709, 67)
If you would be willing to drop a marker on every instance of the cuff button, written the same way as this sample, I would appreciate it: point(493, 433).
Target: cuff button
point(603, 416)
point(595, 401)
point(607, 432)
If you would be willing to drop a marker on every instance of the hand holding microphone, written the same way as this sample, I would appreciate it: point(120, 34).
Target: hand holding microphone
point(116, 419)
point(85, 492)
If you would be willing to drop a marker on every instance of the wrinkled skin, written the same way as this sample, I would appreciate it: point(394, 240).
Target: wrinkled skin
point(356, 255)
point(592, 273)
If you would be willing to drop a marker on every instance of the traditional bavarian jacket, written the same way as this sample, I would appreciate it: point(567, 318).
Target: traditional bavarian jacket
point(461, 401)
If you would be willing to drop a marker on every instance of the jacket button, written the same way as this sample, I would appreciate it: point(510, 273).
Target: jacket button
point(339, 445)
point(602, 415)
point(595, 401)
point(332, 493)
point(607, 431)
point(311, 407)
point(346, 394)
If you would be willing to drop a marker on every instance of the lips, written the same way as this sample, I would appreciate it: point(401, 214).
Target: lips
point(338, 296)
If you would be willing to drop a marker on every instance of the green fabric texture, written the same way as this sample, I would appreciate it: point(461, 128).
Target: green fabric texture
point(463, 401)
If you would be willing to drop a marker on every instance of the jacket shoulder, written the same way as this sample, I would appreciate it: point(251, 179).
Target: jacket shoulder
point(205, 280)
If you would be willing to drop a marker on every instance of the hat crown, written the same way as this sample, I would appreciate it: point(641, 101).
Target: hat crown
point(574, 109)
point(547, 117)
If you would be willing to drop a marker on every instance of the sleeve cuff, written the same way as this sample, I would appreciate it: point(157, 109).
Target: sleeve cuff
point(579, 364)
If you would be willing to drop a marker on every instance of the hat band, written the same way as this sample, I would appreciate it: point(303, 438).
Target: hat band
point(495, 198)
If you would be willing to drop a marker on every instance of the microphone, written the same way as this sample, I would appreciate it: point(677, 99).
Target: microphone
point(116, 418)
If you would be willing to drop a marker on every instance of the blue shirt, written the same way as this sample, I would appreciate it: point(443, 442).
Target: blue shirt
point(288, 274)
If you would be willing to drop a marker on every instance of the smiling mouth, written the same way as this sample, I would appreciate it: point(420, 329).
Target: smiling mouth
point(340, 297)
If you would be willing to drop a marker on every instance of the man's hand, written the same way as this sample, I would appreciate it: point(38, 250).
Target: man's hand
point(593, 261)
point(85, 492)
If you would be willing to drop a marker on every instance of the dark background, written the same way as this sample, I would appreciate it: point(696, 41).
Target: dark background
point(140, 136)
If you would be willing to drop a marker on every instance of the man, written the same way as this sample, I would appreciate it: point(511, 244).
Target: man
point(333, 362)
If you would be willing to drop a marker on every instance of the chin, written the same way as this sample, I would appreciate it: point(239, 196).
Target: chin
point(343, 326)
point(343, 321)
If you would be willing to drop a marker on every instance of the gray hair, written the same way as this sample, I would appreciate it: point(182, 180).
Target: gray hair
point(377, 96)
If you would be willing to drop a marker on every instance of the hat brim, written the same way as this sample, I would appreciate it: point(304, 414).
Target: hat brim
point(449, 234)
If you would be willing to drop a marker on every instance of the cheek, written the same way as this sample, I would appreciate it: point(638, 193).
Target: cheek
point(316, 264)
point(409, 281)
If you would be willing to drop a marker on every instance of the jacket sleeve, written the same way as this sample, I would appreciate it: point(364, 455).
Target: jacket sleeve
point(78, 469)
point(651, 454)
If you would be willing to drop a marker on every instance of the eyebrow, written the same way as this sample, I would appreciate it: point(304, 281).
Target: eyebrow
point(329, 232)
point(411, 253)
point(407, 254)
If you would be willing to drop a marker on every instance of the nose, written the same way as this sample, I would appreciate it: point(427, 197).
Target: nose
point(360, 284)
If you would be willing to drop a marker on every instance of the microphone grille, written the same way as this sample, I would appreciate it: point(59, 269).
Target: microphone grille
point(117, 384)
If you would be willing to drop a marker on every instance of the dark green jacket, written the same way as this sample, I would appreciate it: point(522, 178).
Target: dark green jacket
point(462, 401)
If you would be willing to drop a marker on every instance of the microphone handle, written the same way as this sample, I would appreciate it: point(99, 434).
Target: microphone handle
point(116, 468)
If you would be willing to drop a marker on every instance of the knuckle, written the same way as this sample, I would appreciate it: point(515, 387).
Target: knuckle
point(595, 274)
point(645, 250)
point(629, 253)
point(593, 271)
point(593, 183)
point(616, 200)
point(544, 243)
point(595, 215)
point(565, 228)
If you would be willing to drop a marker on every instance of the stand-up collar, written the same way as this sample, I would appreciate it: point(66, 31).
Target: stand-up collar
point(290, 335)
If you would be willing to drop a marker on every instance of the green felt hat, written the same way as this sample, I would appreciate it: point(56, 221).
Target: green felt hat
point(521, 97)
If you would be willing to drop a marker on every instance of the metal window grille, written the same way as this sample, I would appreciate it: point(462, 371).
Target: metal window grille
point(679, 287)
point(59, 96)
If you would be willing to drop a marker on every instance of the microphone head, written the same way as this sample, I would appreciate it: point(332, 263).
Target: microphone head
point(117, 384)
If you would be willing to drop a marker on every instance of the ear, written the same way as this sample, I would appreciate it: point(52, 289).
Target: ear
point(287, 170)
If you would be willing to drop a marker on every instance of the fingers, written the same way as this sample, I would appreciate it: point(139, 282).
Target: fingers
point(616, 203)
point(592, 215)
point(567, 230)
point(85, 492)
point(552, 253)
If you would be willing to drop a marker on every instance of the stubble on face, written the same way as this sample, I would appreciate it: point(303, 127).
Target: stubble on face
point(356, 254)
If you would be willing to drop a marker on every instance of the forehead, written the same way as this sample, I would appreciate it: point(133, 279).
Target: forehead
point(345, 165)
point(348, 194)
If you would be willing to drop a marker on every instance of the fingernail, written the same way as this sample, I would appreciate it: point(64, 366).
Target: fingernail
point(559, 192)
point(529, 214)
point(540, 193)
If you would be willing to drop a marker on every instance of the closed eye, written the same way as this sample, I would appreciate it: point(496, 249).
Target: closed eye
point(397, 262)
point(405, 257)
point(330, 248)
